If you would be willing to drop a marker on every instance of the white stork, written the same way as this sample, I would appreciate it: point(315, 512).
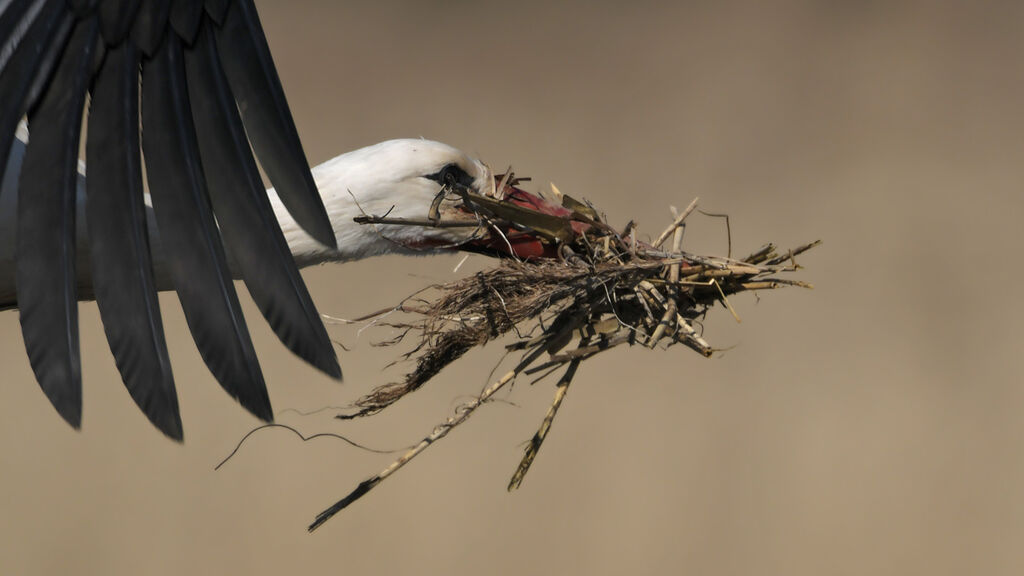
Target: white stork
point(209, 97)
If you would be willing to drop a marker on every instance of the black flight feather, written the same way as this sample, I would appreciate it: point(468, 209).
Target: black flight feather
point(188, 232)
point(54, 52)
point(50, 27)
point(45, 273)
point(184, 18)
point(82, 7)
point(119, 242)
point(244, 213)
point(15, 20)
point(268, 122)
point(150, 24)
point(216, 9)
point(34, 40)
point(116, 17)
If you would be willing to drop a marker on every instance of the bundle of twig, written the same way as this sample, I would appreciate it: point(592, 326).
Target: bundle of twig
point(603, 290)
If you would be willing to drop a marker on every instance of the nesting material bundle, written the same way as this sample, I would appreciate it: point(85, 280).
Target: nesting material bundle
point(599, 289)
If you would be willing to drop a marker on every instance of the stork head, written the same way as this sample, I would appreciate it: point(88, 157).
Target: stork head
point(416, 180)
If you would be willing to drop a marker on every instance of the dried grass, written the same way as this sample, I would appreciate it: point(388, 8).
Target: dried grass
point(604, 290)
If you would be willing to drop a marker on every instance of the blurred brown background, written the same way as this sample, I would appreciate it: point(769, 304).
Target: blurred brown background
point(872, 426)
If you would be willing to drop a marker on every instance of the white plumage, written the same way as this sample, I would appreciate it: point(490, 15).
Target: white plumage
point(390, 178)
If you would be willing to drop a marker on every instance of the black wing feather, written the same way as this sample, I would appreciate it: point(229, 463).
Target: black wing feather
point(257, 89)
point(54, 52)
point(244, 213)
point(29, 61)
point(116, 17)
point(189, 234)
point(150, 25)
point(110, 39)
point(185, 15)
point(82, 7)
point(46, 229)
point(15, 21)
point(216, 9)
point(119, 242)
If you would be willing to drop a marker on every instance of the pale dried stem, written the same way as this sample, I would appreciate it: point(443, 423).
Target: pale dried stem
point(461, 414)
point(675, 224)
point(726, 301)
point(583, 352)
point(677, 243)
point(538, 438)
point(760, 285)
point(667, 320)
point(424, 222)
point(499, 192)
point(692, 338)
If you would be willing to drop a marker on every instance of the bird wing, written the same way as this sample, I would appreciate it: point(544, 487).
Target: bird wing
point(209, 96)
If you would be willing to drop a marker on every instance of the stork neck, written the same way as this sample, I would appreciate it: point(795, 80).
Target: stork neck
point(352, 185)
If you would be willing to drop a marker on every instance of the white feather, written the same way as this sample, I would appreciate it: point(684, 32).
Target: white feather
point(387, 178)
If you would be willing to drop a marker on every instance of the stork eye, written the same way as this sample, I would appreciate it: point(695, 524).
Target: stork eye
point(451, 175)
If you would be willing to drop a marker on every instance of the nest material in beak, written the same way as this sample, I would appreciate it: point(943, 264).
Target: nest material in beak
point(593, 286)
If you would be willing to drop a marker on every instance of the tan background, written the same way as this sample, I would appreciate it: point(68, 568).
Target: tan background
point(872, 426)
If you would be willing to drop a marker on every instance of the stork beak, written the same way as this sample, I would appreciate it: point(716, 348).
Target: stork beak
point(524, 225)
